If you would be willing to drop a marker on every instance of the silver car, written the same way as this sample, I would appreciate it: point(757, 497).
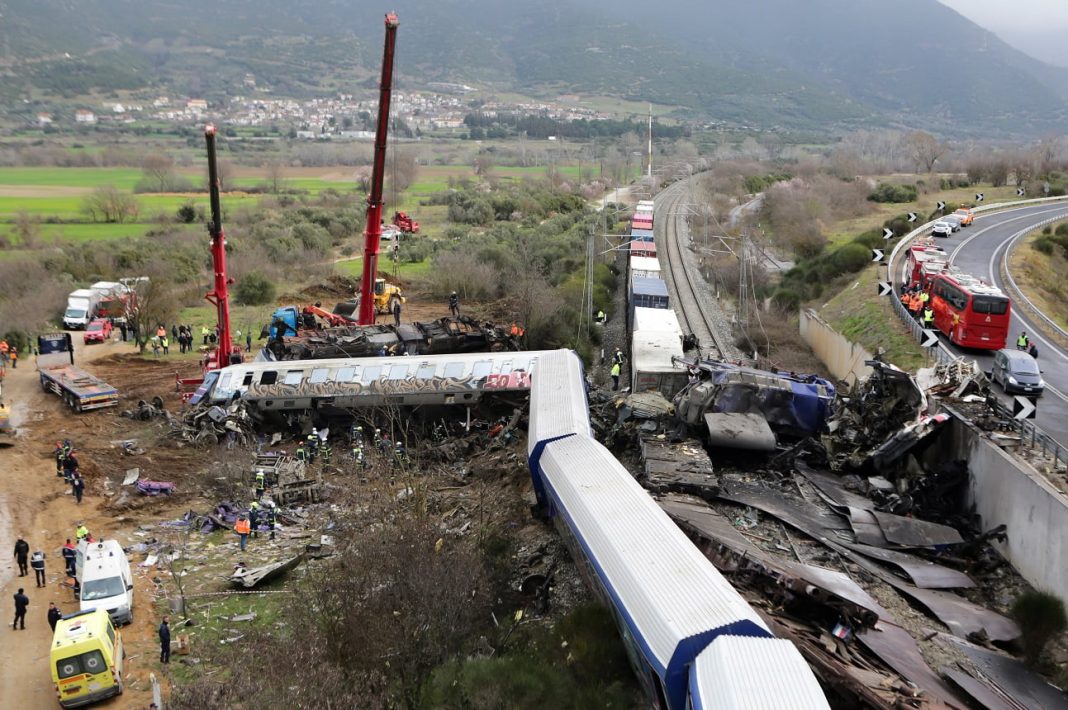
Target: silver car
point(941, 228)
point(953, 221)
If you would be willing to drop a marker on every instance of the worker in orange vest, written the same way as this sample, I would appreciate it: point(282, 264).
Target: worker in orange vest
point(517, 330)
point(243, 528)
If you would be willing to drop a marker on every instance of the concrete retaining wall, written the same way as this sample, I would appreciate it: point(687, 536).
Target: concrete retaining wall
point(1007, 491)
point(844, 359)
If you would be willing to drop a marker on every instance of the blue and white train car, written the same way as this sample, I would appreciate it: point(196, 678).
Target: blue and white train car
point(669, 602)
point(733, 674)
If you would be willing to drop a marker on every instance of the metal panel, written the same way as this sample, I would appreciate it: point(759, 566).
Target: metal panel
point(656, 320)
point(739, 673)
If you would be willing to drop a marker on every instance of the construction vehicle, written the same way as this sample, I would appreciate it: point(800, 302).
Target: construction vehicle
point(405, 223)
point(225, 352)
point(80, 390)
point(374, 292)
point(291, 320)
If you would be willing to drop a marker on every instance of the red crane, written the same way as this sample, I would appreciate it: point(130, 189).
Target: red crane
point(220, 295)
point(373, 232)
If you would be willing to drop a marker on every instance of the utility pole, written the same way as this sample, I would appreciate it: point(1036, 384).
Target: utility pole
point(743, 282)
point(650, 173)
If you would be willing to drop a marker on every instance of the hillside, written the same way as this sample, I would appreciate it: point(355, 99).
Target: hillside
point(820, 64)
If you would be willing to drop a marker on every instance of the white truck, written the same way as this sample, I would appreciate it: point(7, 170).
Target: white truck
point(81, 307)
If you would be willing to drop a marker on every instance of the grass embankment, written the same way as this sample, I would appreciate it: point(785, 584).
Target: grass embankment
point(1041, 276)
point(858, 313)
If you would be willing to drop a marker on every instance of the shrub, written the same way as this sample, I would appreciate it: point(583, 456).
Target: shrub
point(1044, 245)
point(851, 258)
point(1062, 229)
point(888, 193)
point(1041, 616)
point(786, 299)
point(1047, 229)
point(187, 213)
point(254, 290)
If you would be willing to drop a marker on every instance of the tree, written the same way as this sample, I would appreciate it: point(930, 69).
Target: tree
point(27, 229)
point(924, 150)
point(484, 164)
point(276, 176)
point(157, 303)
point(107, 203)
point(254, 289)
point(158, 171)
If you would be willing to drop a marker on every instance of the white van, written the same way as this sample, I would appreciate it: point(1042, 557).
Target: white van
point(105, 580)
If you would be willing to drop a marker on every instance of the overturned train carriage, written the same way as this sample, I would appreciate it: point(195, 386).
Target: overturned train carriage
point(671, 605)
point(341, 384)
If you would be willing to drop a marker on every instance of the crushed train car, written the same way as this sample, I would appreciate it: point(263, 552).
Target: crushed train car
point(745, 408)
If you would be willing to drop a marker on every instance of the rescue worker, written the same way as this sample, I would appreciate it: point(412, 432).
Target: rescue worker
point(14, 357)
point(54, 615)
point(1033, 351)
point(70, 466)
point(164, 632)
point(618, 357)
point(401, 453)
point(906, 298)
point(22, 554)
point(928, 317)
point(205, 333)
point(38, 564)
point(60, 453)
point(615, 375)
point(454, 304)
point(272, 517)
point(357, 454)
point(312, 441)
point(1022, 342)
point(261, 483)
point(301, 454)
point(77, 485)
point(924, 298)
point(165, 343)
point(915, 304)
point(356, 434)
point(600, 317)
point(325, 452)
point(70, 555)
point(82, 533)
point(242, 528)
point(254, 518)
point(21, 602)
point(396, 312)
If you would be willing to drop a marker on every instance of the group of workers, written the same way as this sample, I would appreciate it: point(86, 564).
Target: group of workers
point(918, 302)
point(1024, 343)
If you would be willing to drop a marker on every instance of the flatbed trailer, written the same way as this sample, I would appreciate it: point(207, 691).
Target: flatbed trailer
point(59, 375)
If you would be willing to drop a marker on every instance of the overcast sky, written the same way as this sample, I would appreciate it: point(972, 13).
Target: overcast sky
point(1035, 26)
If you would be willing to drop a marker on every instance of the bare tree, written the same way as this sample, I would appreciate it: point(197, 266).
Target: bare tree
point(276, 176)
point(158, 171)
point(107, 203)
point(484, 164)
point(924, 150)
point(27, 229)
point(157, 304)
point(226, 175)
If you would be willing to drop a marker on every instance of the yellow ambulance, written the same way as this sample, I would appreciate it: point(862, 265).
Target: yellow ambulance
point(86, 658)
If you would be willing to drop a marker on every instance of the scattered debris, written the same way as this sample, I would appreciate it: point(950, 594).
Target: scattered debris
point(248, 578)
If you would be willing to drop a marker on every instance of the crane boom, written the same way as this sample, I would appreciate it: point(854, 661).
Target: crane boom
point(373, 231)
point(220, 295)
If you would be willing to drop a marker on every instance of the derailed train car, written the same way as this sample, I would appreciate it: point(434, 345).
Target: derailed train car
point(679, 618)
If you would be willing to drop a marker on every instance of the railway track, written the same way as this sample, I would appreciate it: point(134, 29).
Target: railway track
point(685, 284)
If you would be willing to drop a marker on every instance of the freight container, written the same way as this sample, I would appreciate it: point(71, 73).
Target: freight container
point(642, 249)
point(651, 366)
point(642, 267)
point(642, 220)
point(644, 206)
point(641, 235)
point(647, 293)
point(657, 320)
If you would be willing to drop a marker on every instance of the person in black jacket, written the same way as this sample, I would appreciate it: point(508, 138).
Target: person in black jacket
point(22, 554)
point(165, 641)
point(54, 615)
point(21, 602)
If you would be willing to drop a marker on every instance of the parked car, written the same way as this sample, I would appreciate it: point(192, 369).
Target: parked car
point(1017, 372)
point(98, 331)
point(966, 216)
point(941, 229)
point(953, 221)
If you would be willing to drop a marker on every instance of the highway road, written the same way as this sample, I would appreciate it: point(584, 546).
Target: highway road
point(979, 249)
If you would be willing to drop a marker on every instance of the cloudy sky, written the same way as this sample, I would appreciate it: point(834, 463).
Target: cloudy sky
point(1037, 27)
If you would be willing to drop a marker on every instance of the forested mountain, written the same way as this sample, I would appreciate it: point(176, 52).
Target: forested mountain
point(812, 64)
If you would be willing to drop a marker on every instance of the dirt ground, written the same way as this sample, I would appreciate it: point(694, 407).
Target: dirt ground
point(39, 506)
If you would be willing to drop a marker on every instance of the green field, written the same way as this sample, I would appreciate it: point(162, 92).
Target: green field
point(122, 178)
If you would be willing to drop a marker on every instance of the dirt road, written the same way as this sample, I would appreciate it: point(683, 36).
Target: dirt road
point(35, 503)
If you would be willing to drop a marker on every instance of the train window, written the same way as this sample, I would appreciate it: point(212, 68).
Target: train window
point(318, 375)
point(481, 368)
point(293, 377)
point(506, 367)
point(398, 372)
point(370, 374)
point(224, 382)
point(454, 369)
point(248, 379)
point(425, 372)
point(344, 374)
point(269, 377)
